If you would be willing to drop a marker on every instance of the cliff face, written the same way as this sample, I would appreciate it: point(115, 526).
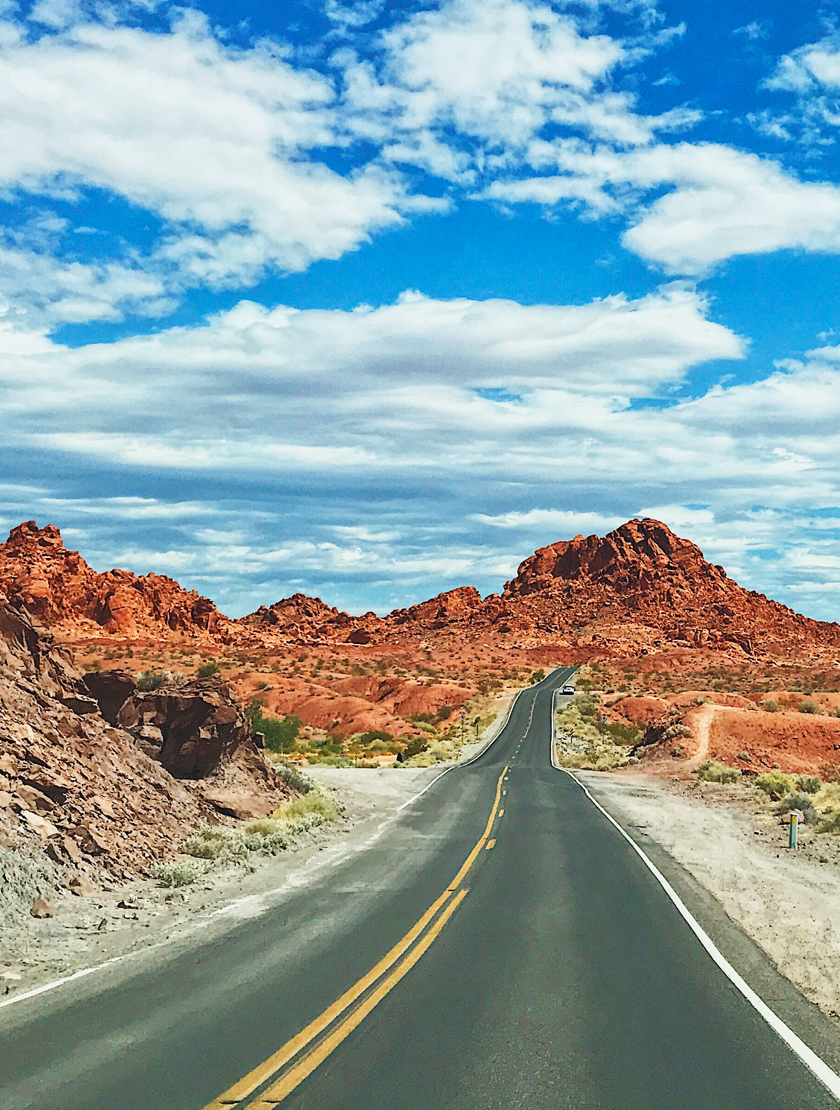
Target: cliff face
point(61, 590)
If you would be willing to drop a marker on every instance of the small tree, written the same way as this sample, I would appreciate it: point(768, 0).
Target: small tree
point(208, 669)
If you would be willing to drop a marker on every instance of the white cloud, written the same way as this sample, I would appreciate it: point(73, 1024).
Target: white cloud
point(463, 90)
point(215, 141)
point(718, 203)
point(563, 523)
point(421, 482)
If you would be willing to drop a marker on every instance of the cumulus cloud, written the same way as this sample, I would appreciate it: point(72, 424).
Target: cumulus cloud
point(462, 90)
point(448, 441)
point(217, 142)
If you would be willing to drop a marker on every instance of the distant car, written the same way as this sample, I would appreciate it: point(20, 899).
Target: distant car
point(568, 690)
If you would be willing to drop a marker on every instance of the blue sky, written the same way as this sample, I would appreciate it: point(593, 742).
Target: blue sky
point(370, 300)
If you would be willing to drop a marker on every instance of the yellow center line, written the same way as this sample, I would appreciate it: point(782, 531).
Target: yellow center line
point(295, 1077)
point(490, 844)
point(263, 1072)
point(501, 813)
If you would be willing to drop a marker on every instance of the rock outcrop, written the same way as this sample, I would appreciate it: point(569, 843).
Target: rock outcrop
point(61, 590)
point(86, 791)
point(190, 729)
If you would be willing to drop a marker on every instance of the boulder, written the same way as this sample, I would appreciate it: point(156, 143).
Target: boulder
point(200, 725)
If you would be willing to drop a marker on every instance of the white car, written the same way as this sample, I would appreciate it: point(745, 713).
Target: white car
point(568, 690)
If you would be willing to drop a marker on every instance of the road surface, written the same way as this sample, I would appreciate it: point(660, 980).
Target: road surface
point(502, 947)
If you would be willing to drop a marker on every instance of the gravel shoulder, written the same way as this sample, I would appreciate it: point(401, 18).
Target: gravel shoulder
point(736, 848)
point(89, 930)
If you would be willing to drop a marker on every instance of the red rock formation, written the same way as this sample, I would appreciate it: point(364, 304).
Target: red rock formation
point(59, 588)
point(643, 573)
point(86, 791)
point(638, 590)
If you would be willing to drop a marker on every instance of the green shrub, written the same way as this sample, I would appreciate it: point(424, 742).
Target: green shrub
point(829, 822)
point(297, 779)
point(770, 706)
point(776, 782)
point(375, 734)
point(215, 842)
point(537, 676)
point(808, 706)
point(208, 669)
point(330, 761)
point(800, 801)
point(307, 812)
point(712, 771)
point(280, 736)
point(415, 746)
point(179, 872)
point(150, 680)
point(810, 784)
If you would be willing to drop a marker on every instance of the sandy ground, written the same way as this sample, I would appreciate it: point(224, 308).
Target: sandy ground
point(736, 847)
point(87, 931)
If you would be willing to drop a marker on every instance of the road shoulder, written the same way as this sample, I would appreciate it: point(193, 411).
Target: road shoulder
point(770, 917)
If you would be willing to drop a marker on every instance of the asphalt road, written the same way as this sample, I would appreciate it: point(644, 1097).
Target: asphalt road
point(551, 972)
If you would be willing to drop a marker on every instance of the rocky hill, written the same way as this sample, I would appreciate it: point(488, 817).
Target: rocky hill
point(643, 575)
point(61, 590)
point(639, 589)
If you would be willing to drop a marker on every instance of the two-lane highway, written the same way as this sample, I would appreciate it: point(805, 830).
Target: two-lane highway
point(503, 947)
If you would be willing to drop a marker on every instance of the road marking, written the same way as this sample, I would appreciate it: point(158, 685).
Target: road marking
point(264, 1071)
point(809, 1058)
point(490, 844)
point(501, 813)
point(295, 1077)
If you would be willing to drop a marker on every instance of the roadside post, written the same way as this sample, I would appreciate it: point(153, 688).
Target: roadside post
point(794, 828)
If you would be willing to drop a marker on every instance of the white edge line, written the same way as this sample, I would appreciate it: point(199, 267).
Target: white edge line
point(809, 1058)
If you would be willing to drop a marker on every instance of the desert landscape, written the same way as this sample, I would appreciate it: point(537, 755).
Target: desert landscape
point(152, 748)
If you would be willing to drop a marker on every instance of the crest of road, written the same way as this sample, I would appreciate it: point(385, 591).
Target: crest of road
point(503, 945)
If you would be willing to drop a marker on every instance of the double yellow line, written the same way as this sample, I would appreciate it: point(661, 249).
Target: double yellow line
point(410, 944)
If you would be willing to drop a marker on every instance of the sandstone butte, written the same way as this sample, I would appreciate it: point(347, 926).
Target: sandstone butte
point(641, 589)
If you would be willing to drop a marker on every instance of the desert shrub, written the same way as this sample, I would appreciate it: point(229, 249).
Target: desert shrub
point(297, 779)
point(151, 680)
point(265, 834)
point(829, 822)
point(745, 756)
point(415, 746)
point(375, 734)
point(280, 736)
point(802, 802)
point(587, 705)
point(438, 752)
point(808, 706)
point(307, 812)
point(809, 784)
point(622, 734)
point(712, 771)
point(215, 842)
point(179, 872)
point(770, 706)
point(537, 676)
point(331, 761)
point(775, 782)
point(443, 712)
point(208, 669)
